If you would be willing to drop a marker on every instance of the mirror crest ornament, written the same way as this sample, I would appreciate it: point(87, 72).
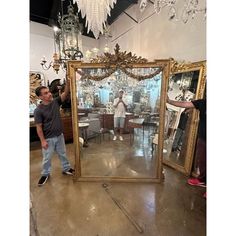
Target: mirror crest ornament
point(120, 60)
point(129, 65)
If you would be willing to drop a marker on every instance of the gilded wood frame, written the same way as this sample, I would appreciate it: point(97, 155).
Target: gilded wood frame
point(72, 67)
point(36, 79)
point(175, 68)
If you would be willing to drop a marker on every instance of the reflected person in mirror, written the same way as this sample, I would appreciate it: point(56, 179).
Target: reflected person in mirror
point(180, 132)
point(200, 105)
point(119, 116)
point(50, 130)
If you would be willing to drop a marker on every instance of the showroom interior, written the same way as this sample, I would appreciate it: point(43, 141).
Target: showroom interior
point(150, 50)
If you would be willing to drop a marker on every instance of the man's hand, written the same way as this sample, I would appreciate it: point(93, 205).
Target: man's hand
point(44, 144)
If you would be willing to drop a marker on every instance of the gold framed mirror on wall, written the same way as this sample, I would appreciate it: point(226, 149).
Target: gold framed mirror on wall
point(186, 83)
point(94, 86)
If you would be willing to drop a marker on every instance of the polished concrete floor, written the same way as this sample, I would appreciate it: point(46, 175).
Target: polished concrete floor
point(63, 207)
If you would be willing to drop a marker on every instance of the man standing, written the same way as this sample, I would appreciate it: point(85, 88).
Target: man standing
point(180, 132)
point(119, 116)
point(50, 130)
point(201, 140)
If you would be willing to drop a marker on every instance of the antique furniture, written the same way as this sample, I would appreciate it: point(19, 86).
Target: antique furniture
point(67, 128)
point(107, 121)
point(136, 123)
point(84, 132)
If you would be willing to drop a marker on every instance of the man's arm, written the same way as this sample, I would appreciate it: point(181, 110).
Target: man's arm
point(39, 129)
point(180, 104)
point(116, 103)
point(124, 104)
point(66, 90)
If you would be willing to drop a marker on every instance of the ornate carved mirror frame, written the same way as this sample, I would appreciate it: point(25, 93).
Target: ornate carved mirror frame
point(191, 132)
point(122, 61)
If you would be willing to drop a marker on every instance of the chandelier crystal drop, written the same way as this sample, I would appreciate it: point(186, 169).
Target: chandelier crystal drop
point(96, 12)
point(189, 11)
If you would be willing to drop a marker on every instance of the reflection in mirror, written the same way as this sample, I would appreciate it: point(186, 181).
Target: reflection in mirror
point(132, 155)
point(182, 87)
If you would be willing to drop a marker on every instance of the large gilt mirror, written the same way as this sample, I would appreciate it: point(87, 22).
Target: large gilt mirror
point(186, 83)
point(94, 87)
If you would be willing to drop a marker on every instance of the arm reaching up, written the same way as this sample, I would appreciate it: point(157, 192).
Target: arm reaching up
point(66, 90)
point(183, 104)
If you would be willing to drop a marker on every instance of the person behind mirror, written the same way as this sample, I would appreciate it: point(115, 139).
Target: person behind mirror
point(119, 116)
point(180, 132)
point(50, 130)
point(200, 105)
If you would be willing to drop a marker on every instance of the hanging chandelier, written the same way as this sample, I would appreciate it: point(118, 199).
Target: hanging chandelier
point(190, 10)
point(67, 41)
point(94, 52)
point(96, 12)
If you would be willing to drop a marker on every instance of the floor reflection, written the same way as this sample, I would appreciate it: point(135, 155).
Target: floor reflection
point(120, 158)
point(173, 156)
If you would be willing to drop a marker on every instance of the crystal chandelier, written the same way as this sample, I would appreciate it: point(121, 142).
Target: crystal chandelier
point(67, 41)
point(190, 10)
point(96, 12)
point(94, 52)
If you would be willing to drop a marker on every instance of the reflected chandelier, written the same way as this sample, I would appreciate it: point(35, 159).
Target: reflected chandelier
point(96, 12)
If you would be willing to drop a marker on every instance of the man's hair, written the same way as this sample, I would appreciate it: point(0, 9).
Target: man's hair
point(38, 90)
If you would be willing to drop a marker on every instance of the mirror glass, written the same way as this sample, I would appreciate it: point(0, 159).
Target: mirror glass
point(134, 156)
point(182, 87)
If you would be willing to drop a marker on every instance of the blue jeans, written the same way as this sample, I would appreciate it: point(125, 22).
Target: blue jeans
point(54, 144)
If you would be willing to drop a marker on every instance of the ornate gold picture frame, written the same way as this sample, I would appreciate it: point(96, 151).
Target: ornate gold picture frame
point(122, 61)
point(188, 146)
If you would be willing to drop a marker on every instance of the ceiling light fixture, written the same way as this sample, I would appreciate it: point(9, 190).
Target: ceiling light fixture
point(96, 12)
point(67, 41)
point(190, 10)
point(94, 52)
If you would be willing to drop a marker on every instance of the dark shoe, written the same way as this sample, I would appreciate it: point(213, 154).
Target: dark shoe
point(173, 149)
point(43, 180)
point(85, 145)
point(69, 172)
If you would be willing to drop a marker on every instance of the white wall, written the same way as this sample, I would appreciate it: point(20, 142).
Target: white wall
point(154, 37)
point(42, 44)
point(158, 38)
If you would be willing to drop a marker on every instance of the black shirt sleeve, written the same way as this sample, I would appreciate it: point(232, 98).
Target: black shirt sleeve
point(58, 100)
point(200, 105)
point(38, 119)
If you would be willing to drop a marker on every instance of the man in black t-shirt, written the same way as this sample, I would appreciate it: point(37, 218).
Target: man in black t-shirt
point(50, 131)
point(200, 105)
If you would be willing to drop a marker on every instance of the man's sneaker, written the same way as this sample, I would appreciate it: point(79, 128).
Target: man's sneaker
point(43, 180)
point(69, 172)
point(114, 138)
point(196, 182)
point(121, 138)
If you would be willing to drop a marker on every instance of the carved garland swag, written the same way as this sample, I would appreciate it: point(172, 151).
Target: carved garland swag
point(122, 61)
